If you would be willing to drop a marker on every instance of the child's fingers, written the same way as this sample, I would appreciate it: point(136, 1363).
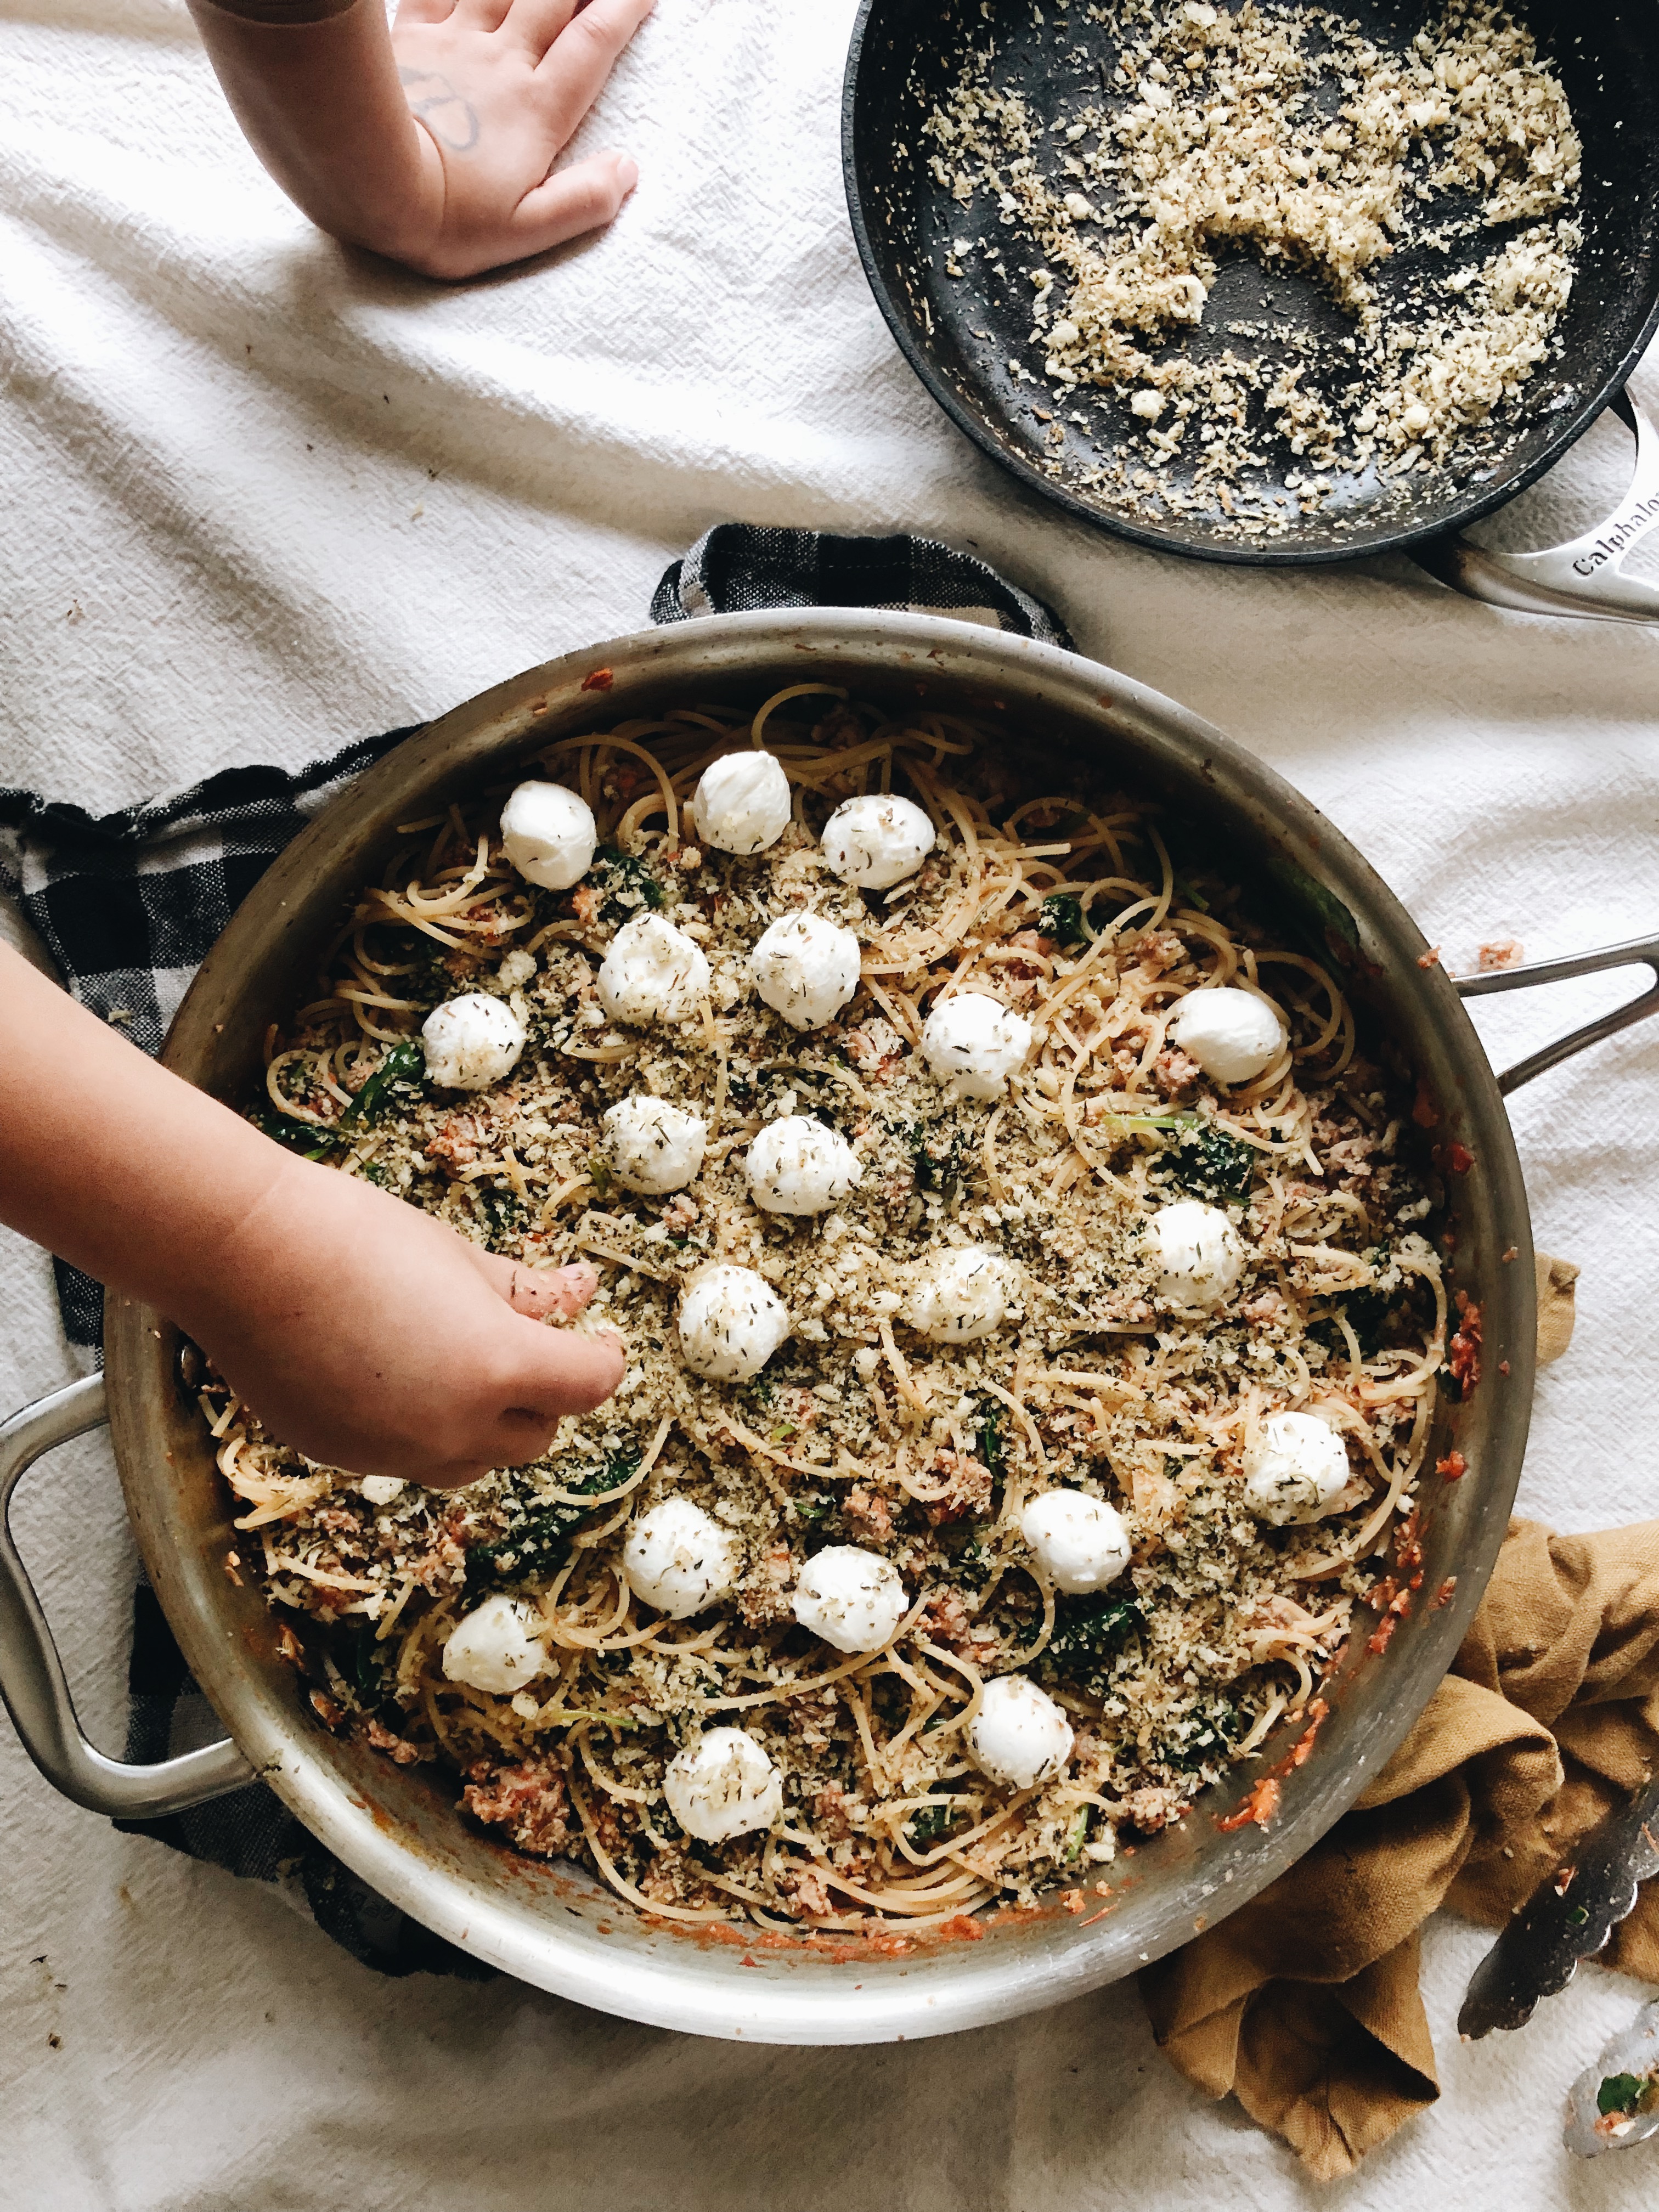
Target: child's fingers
point(544, 1293)
point(583, 55)
point(423, 11)
point(552, 1293)
point(554, 1371)
point(547, 1373)
point(487, 15)
point(537, 23)
point(580, 198)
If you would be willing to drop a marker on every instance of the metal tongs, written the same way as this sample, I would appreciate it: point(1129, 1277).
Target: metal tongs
point(1616, 2101)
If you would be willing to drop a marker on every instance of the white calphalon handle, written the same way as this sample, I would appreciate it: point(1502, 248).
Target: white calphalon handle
point(1585, 577)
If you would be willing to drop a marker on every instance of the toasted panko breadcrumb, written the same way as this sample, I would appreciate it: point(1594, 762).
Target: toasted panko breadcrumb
point(1297, 137)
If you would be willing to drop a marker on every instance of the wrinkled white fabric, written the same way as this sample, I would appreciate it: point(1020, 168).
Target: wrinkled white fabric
point(265, 496)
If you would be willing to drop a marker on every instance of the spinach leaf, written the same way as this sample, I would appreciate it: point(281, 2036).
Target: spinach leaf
point(1209, 1738)
point(1330, 929)
point(1368, 1311)
point(364, 1664)
point(1061, 918)
point(959, 1541)
point(503, 1210)
point(405, 1064)
point(304, 1137)
point(1627, 2094)
point(1088, 1633)
point(936, 1153)
point(993, 1437)
point(628, 885)
point(538, 1543)
point(930, 1825)
point(1211, 1163)
point(402, 1064)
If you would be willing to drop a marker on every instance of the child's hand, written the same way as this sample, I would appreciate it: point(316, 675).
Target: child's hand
point(433, 144)
point(498, 88)
point(372, 1338)
point(358, 1328)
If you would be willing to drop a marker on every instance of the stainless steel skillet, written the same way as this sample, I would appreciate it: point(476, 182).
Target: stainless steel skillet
point(399, 1828)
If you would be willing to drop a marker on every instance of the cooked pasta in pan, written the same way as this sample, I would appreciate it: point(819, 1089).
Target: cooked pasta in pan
point(1020, 1250)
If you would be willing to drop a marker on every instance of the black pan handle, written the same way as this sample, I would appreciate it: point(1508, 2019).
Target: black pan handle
point(1584, 577)
point(1639, 953)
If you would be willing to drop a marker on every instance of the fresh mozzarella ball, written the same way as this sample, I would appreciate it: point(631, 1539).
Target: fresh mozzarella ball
point(1080, 1542)
point(1198, 1252)
point(1296, 1470)
point(550, 835)
point(678, 1560)
point(731, 1320)
point(723, 1785)
point(653, 1145)
point(853, 1599)
point(516, 970)
point(962, 1292)
point(742, 802)
point(652, 973)
point(876, 842)
point(974, 1044)
point(1019, 1736)
point(493, 1648)
point(471, 1042)
point(806, 969)
point(798, 1166)
point(1232, 1035)
point(381, 1489)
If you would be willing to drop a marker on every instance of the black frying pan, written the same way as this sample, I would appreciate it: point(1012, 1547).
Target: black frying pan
point(959, 334)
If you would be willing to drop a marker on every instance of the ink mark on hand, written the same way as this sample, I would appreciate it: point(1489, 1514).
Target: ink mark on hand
point(440, 108)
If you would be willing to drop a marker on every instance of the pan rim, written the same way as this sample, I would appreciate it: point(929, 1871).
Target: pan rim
point(1379, 542)
point(679, 1985)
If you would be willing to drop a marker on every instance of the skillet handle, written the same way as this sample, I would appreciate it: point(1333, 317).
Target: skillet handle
point(1584, 577)
point(32, 1680)
point(1639, 951)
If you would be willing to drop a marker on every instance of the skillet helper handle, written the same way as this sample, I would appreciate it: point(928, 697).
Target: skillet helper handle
point(1639, 951)
point(32, 1679)
point(1584, 577)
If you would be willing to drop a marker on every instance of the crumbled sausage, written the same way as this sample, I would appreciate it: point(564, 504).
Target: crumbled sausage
point(530, 1801)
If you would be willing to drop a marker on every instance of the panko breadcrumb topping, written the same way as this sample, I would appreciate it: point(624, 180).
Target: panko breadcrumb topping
point(1294, 136)
point(658, 1561)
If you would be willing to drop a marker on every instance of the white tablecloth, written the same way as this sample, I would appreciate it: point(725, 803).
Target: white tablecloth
point(264, 496)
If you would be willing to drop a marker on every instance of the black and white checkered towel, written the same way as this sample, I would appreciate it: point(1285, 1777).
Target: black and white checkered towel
point(738, 567)
point(129, 905)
